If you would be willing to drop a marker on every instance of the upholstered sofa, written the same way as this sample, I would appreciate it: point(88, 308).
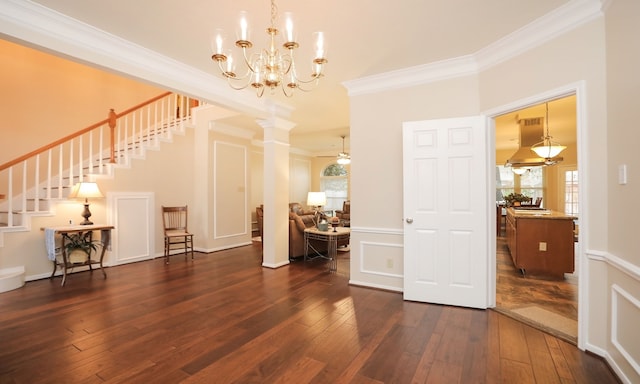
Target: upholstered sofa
point(299, 220)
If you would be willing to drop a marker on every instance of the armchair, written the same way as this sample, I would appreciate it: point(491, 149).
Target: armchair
point(345, 214)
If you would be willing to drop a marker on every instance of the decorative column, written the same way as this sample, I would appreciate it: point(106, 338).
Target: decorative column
point(276, 192)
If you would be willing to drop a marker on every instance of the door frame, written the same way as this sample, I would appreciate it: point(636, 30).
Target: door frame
point(579, 90)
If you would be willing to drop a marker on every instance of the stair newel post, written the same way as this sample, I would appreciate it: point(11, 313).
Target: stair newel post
point(112, 128)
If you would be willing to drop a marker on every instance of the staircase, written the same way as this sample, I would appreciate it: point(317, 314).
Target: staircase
point(30, 184)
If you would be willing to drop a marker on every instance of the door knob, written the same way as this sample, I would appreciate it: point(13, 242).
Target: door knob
point(409, 220)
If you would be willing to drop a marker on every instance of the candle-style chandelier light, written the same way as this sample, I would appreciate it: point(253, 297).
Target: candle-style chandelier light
point(268, 68)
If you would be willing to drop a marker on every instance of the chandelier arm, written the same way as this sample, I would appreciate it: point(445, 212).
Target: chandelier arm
point(230, 81)
point(247, 61)
point(284, 90)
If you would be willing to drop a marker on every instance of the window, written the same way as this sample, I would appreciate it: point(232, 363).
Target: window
point(571, 193)
point(531, 183)
point(335, 183)
point(504, 182)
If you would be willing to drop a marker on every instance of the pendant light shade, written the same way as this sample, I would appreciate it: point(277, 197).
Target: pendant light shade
point(547, 148)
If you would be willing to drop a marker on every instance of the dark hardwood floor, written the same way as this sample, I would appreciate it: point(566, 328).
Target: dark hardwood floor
point(223, 318)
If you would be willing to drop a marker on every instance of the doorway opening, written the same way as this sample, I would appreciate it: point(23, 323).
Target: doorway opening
point(547, 302)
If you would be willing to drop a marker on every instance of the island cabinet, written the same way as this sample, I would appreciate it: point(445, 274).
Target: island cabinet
point(541, 242)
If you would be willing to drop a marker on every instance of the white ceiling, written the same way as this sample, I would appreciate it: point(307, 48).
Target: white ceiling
point(365, 37)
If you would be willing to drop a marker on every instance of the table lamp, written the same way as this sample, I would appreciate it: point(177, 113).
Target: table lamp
point(85, 190)
point(316, 200)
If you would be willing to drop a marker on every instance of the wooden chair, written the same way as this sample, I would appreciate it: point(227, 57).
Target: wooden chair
point(174, 220)
point(260, 219)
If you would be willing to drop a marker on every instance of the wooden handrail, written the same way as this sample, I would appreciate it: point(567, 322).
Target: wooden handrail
point(81, 132)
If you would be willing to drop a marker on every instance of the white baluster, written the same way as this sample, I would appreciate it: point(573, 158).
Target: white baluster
point(80, 158)
point(36, 187)
point(49, 175)
point(60, 167)
point(141, 130)
point(70, 163)
point(101, 149)
point(10, 201)
point(24, 186)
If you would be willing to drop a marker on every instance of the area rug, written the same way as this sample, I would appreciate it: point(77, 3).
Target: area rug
point(548, 321)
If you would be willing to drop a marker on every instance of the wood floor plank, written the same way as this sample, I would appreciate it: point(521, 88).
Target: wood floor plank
point(223, 318)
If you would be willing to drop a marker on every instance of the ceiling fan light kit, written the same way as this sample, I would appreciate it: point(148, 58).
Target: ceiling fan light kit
point(343, 157)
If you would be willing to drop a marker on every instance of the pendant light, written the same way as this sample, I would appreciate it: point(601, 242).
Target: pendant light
point(547, 149)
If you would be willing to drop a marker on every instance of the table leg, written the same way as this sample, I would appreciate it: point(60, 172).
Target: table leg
point(65, 262)
point(306, 246)
point(333, 254)
point(104, 248)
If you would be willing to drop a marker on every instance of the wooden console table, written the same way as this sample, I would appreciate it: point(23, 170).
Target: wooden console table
point(83, 230)
point(331, 238)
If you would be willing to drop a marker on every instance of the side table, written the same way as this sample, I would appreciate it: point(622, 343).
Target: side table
point(331, 237)
point(82, 230)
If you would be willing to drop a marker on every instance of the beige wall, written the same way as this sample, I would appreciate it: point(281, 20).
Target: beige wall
point(574, 60)
point(622, 288)
point(31, 79)
point(376, 171)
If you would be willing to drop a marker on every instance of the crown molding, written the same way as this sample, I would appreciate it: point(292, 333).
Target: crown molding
point(561, 20)
point(40, 26)
point(34, 25)
point(556, 23)
point(412, 76)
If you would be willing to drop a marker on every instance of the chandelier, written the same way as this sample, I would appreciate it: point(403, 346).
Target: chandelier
point(343, 157)
point(547, 148)
point(269, 68)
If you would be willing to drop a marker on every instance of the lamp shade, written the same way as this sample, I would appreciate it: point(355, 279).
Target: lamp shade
point(85, 190)
point(316, 199)
point(549, 150)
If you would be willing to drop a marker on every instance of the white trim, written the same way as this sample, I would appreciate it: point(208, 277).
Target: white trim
point(559, 21)
point(39, 26)
point(378, 231)
point(276, 265)
point(373, 272)
point(616, 293)
point(376, 286)
point(218, 165)
point(148, 199)
point(579, 89)
point(412, 76)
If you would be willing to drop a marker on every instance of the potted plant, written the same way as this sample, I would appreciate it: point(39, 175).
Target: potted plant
point(515, 199)
point(80, 242)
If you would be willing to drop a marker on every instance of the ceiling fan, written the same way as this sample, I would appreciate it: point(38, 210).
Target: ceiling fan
point(343, 157)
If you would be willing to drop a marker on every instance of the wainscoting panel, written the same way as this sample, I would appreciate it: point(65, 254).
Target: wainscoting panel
point(625, 338)
point(377, 258)
point(231, 188)
point(133, 217)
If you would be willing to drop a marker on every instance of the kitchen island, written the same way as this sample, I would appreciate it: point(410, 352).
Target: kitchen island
point(541, 242)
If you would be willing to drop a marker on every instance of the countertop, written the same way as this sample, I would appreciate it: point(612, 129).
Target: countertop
point(539, 214)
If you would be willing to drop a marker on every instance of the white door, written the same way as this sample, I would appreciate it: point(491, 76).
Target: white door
point(446, 211)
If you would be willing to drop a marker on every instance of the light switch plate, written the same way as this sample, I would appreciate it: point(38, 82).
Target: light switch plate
point(622, 174)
